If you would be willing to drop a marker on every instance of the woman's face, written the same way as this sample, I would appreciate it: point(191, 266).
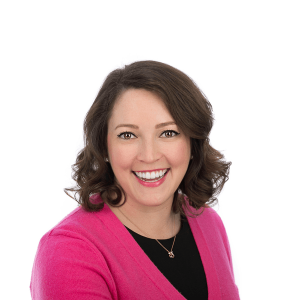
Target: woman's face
point(147, 151)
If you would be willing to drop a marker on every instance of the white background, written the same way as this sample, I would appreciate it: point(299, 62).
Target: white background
point(244, 55)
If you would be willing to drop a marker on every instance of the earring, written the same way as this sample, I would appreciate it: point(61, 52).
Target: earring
point(106, 159)
point(192, 156)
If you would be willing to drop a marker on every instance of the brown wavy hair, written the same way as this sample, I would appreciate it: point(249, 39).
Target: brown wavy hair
point(207, 171)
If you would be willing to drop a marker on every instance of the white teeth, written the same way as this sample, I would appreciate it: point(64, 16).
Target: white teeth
point(154, 175)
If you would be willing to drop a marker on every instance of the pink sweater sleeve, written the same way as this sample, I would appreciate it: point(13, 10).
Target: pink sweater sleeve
point(227, 281)
point(225, 240)
point(67, 267)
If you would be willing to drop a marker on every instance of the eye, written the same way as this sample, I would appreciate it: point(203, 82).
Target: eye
point(169, 133)
point(126, 135)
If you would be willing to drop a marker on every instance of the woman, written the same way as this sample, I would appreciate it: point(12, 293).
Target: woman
point(145, 180)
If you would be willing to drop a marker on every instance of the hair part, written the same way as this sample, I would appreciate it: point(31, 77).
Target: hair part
point(207, 171)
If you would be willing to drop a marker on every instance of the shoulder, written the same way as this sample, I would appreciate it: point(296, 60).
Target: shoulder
point(73, 236)
point(205, 215)
point(68, 256)
point(80, 221)
point(79, 235)
point(86, 231)
point(210, 215)
point(210, 224)
point(79, 225)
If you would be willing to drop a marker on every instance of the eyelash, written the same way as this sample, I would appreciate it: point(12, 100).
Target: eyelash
point(175, 133)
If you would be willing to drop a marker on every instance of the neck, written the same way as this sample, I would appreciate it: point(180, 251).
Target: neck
point(154, 222)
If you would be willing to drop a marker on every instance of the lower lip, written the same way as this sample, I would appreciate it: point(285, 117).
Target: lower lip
point(152, 184)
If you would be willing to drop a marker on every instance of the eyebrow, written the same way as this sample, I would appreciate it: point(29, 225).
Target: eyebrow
point(156, 126)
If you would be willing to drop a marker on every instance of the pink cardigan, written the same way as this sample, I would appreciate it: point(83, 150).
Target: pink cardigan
point(92, 256)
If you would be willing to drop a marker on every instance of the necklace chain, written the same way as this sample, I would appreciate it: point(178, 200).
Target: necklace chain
point(171, 254)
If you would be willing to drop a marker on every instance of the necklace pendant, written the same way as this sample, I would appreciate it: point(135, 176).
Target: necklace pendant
point(171, 254)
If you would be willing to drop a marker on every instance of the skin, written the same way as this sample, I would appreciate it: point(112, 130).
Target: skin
point(137, 142)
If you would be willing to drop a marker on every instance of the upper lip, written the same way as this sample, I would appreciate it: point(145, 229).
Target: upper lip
point(152, 170)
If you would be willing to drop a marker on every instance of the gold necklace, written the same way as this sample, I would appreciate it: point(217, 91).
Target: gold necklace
point(171, 254)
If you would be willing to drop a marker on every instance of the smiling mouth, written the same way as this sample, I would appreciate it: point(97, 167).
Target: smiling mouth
point(151, 176)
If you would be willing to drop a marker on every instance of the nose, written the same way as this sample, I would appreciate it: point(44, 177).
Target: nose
point(149, 151)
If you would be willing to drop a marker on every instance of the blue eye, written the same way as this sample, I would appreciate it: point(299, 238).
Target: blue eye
point(169, 133)
point(126, 135)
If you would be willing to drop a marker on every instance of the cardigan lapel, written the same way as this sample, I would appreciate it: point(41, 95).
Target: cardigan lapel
point(200, 237)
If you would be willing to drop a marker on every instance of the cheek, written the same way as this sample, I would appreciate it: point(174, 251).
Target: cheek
point(121, 159)
point(120, 156)
point(180, 155)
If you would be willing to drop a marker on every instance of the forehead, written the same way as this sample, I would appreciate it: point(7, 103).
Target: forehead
point(139, 106)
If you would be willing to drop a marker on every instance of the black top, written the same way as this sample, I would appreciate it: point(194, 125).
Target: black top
point(184, 271)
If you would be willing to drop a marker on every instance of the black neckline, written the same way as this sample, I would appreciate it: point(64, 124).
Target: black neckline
point(144, 237)
point(185, 271)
